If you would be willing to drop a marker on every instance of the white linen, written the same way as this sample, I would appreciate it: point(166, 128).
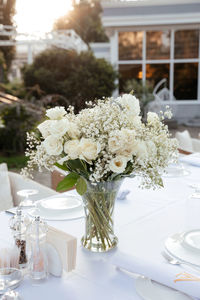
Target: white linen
point(6, 200)
point(163, 273)
point(142, 223)
point(191, 159)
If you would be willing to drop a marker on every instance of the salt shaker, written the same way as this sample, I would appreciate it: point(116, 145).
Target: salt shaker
point(18, 227)
point(38, 263)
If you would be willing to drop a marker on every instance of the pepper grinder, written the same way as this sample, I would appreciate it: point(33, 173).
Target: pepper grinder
point(38, 258)
point(18, 228)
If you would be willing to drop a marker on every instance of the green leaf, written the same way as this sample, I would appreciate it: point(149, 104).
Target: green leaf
point(62, 167)
point(68, 182)
point(81, 186)
point(76, 164)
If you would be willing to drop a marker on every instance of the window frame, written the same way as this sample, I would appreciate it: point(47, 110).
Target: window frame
point(171, 61)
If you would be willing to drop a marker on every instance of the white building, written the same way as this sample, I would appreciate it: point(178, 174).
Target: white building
point(156, 39)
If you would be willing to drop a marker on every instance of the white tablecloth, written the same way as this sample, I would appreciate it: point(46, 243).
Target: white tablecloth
point(142, 222)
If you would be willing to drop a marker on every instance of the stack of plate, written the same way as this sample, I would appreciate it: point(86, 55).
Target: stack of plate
point(67, 207)
point(185, 247)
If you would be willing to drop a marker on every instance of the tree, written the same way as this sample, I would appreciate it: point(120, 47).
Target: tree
point(8, 11)
point(85, 19)
point(77, 77)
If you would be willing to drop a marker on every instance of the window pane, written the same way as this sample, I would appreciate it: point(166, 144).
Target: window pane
point(185, 81)
point(158, 44)
point(186, 43)
point(156, 72)
point(129, 72)
point(130, 45)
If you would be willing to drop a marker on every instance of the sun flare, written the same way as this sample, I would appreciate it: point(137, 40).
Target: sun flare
point(39, 15)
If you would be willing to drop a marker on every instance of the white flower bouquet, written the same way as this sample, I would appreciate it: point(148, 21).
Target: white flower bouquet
point(97, 148)
point(104, 142)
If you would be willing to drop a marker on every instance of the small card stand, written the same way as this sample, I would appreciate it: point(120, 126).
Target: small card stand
point(66, 245)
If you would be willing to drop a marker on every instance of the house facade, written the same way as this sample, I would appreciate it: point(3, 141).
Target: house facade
point(156, 39)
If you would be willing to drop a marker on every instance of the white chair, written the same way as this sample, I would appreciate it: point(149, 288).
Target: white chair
point(18, 182)
point(186, 142)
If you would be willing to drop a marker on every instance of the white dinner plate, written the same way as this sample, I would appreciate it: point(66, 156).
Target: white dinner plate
point(151, 290)
point(59, 205)
point(191, 240)
point(57, 216)
point(174, 246)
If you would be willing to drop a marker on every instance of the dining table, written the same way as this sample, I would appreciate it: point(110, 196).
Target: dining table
point(142, 222)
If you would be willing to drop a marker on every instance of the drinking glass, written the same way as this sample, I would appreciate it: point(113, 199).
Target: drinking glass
point(27, 202)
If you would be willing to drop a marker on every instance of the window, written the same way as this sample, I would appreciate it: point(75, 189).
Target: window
point(158, 44)
point(185, 81)
point(156, 72)
point(130, 45)
point(186, 44)
point(129, 72)
point(154, 55)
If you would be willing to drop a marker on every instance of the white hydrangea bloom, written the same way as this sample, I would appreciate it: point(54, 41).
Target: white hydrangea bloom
point(56, 113)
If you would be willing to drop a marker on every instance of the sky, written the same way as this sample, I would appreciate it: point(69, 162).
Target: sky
point(39, 15)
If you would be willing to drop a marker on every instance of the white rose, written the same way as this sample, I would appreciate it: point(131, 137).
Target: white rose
point(152, 117)
point(72, 148)
point(73, 130)
point(141, 150)
point(59, 127)
point(44, 128)
point(56, 113)
point(53, 145)
point(130, 103)
point(89, 149)
point(118, 164)
point(122, 142)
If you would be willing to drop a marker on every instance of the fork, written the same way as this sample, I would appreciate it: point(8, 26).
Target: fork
point(175, 261)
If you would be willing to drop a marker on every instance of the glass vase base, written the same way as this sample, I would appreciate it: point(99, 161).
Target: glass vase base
point(97, 246)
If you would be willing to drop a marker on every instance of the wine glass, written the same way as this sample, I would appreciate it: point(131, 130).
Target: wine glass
point(10, 278)
point(27, 202)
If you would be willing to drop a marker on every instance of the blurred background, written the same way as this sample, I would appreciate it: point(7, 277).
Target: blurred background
point(64, 52)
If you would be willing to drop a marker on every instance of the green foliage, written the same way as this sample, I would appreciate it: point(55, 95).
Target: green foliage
point(85, 19)
point(81, 186)
point(71, 180)
point(77, 77)
point(3, 69)
point(8, 11)
point(17, 121)
point(68, 182)
point(14, 162)
point(142, 90)
point(15, 88)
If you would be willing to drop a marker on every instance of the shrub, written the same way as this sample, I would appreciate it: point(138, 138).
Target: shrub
point(77, 77)
point(17, 120)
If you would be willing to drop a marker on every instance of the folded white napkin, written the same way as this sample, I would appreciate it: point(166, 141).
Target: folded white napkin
point(192, 159)
point(173, 276)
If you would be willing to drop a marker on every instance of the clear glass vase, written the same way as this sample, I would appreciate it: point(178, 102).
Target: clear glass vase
point(99, 202)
